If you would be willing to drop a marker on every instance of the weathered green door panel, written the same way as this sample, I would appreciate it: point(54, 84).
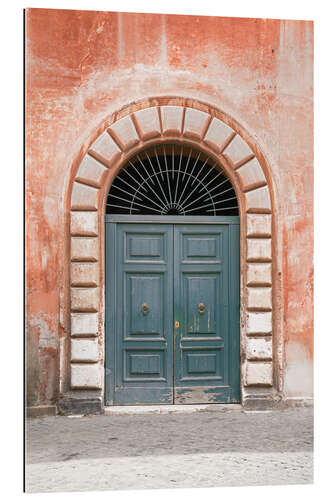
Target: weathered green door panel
point(143, 311)
point(158, 275)
point(203, 360)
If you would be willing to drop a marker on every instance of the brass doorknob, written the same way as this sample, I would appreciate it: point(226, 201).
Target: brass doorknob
point(145, 308)
point(201, 308)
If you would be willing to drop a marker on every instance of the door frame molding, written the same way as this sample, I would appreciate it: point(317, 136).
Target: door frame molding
point(183, 120)
point(172, 219)
point(111, 244)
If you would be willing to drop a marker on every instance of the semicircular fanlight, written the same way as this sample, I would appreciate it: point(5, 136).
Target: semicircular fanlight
point(171, 179)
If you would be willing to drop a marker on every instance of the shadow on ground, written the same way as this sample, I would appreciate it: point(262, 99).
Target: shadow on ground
point(60, 439)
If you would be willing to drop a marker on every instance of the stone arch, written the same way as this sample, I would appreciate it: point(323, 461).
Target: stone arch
point(135, 126)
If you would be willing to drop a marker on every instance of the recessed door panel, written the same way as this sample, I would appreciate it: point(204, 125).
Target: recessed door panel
point(200, 248)
point(201, 296)
point(145, 246)
point(144, 304)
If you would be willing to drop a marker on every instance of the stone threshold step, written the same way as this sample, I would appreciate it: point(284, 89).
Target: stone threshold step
point(165, 409)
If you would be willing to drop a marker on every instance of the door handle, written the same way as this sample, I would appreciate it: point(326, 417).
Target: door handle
point(176, 324)
point(201, 308)
point(145, 308)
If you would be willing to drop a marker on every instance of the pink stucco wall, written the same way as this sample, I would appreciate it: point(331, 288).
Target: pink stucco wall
point(81, 66)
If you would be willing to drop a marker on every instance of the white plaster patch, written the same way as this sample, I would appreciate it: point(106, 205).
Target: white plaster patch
point(50, 210)
point(298, 372)
point(47, 338)
point(44, 259)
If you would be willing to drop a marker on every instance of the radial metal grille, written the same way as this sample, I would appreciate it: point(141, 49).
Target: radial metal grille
point(171, 179)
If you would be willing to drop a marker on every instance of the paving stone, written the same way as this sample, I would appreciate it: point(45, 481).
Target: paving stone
point(203, 449)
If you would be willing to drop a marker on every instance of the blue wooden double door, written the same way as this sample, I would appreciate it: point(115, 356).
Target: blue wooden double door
point(172, 311)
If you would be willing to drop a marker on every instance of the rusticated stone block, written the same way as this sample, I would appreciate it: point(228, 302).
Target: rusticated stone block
point(258, 200)
point(259, 298)
point(91, 171)
point(258, 373)
point(84, 197)
point(217, 135)
point(84, 223)
point(238, 150)
point(86, 376)
point(259, 348)
point(148, 123)
point(195, 123)
point(84, 350)
point(251, 174)
point(84, 274)
point(259, 249)
point(259, 274)
point(84, 324)
point(107, 148)
point(124, 133)
point(84, 299)
point(84, 249)
point(259, 323)
point(259, 224)
point(171, 117)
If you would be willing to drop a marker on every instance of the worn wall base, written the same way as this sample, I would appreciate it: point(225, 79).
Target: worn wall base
point(262, 400)
point(298, 402)
point(41, 411)
point(71, 404)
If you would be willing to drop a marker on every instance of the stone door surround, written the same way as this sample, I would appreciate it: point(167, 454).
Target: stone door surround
point(127, 132)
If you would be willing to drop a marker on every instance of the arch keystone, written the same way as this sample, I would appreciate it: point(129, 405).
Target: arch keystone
point(172, 120)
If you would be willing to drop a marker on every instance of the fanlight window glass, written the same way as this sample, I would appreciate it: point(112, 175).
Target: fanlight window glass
point(171, 179)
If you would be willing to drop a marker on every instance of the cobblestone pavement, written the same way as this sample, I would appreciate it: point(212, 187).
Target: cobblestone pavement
point(167, 451)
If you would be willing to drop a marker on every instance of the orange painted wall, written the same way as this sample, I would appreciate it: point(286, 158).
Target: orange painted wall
point(81, 66)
